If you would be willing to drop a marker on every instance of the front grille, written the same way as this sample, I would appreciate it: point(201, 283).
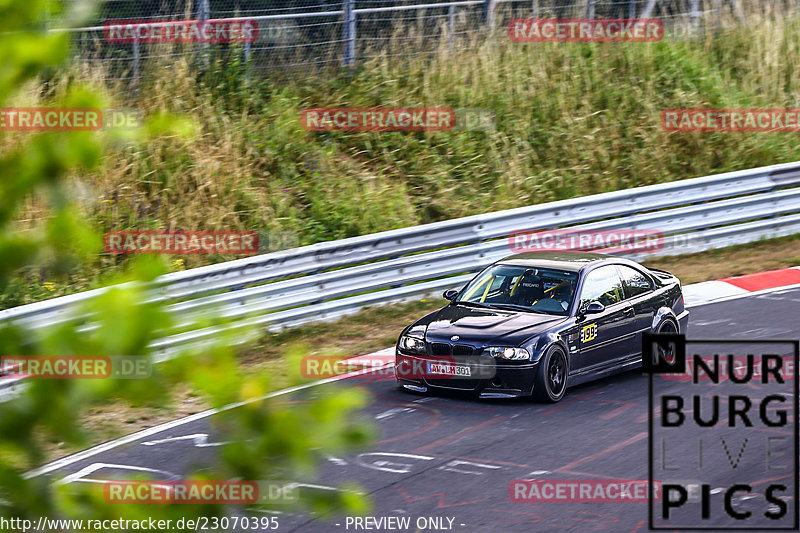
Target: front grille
point(443, 348)
point(462, 349)
point(440, 348)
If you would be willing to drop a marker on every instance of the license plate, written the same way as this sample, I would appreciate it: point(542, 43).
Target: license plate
point(449, 370)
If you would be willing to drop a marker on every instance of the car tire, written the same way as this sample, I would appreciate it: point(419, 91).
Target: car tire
point(551, 379)
point(667, 326)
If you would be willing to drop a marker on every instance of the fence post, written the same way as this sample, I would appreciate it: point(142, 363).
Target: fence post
point(717, 8)
point(202, 10)
point(349, 23)
point(202, 15)
point(135, 58)
point(648, 9)
point(631, 9)
point(451, 24)
point(737, 10)
point(247, 54)
point(589, 13)
point(488, 13)
point(694, 16)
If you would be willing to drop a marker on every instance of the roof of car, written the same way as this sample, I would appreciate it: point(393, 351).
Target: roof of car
point(572, 261)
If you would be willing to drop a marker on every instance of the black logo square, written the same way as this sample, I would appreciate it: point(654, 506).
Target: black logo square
point(664, 353)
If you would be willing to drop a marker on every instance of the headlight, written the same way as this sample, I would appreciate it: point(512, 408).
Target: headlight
point(412, 344)
point(505, 352)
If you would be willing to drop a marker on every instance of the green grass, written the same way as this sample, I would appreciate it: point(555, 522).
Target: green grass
point(572, 119)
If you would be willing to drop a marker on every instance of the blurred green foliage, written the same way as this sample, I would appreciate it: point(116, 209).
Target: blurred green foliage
point(270, 440)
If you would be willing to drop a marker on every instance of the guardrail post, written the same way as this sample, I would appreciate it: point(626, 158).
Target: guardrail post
point(349, 23)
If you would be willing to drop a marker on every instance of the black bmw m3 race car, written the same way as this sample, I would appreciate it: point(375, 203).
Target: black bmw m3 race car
point(536, 323)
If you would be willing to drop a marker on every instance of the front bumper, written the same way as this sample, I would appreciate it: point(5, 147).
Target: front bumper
point(489, 379)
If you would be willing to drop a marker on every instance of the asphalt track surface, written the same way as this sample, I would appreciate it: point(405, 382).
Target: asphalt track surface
point(453, 457)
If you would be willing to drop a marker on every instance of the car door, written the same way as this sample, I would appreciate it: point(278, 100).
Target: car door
point(638, 289)
point(605, 337)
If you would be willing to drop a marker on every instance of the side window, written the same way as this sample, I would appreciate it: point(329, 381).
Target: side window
point(633, 282)
point(602, 284)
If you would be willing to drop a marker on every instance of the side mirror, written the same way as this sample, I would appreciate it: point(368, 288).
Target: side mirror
point(450, 294)
point(595, 307)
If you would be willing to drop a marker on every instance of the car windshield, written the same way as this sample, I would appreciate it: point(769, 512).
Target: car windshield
point(537, 290)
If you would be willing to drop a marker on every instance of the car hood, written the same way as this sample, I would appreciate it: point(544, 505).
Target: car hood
point(486, 327)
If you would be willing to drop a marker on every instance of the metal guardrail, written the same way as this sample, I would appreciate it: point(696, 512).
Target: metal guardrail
point(328, 280)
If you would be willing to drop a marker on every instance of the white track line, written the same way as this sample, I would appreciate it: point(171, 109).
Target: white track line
point(127, 439)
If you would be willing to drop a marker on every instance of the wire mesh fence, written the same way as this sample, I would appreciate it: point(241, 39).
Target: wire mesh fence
point(307, 35)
